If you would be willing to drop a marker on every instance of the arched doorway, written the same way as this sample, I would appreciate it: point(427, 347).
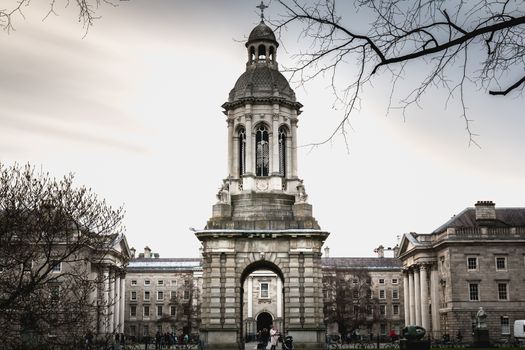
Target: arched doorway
point(230, 256)
point(261, 299)
point(264, 320)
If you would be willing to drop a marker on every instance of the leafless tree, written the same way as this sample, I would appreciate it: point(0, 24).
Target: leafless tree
point(480, 41)
point(87, 11)
point(188, 304)
point(349, 301)
point(51, 235)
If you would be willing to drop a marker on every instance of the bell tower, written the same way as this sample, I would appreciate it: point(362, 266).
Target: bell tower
point(262, 218)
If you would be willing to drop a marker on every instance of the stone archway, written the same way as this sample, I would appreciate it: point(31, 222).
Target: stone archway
point(229, 256)
point(264, 320)
point(250, 325)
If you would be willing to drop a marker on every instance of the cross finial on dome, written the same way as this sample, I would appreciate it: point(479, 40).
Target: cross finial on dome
point(262, 6)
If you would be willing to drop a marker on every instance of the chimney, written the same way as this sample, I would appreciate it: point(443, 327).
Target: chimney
point(485, 210)
point(326, 252)
point(133, 251)
point(380, 251)
point(147, 252)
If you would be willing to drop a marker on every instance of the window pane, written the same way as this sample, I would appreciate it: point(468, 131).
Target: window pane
point(505, 325)
point(264, 290)
point(502, 291)
point(472, 263)
point(473, 292)
point(501, 263)
point(395, 294)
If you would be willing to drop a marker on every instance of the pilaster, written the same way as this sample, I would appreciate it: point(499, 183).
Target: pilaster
point(434, 297)
point(230, 147)
point(249, 145)
point(293, 123)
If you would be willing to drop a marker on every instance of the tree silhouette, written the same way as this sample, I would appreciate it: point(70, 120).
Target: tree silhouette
point(349, 301)
point(482, 41)
point(52, 235)
point(87, 11)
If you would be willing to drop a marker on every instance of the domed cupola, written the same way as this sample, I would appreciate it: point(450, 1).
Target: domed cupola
point(262, 80)
point(262, 33)
point(262, 115)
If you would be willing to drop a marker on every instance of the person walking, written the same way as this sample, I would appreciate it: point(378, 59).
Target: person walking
point(274, 338)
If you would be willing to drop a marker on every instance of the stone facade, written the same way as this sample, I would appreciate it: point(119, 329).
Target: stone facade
point(162, 295)
point(259, 303)
point(476, 259)
point(374, 288)
point(262, 220)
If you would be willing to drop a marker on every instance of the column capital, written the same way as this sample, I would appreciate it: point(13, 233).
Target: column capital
point(293, 121)
point(427, 266)
point(248, 117)
point(275, 117)
point(229, 122)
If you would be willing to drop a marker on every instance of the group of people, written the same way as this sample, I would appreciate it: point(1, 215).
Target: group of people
point(264, 336)
point(167, 340)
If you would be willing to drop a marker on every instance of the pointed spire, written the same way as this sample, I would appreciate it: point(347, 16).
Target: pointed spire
point(262, 6)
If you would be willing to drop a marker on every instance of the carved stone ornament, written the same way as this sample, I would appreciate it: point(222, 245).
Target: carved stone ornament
point(262, 184)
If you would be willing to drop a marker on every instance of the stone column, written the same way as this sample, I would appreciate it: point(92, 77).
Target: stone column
point(230, 146)
point(249, 145)
point(406, 298)
point(424, 297)
point(105, 301)
point(235, 161)
point(122, 301)
point(294, 148)
point(279, 297)
point(411, 299)
point(116, 315)
point(417, 295)
point(274, 170)
point(111, 314)
point(434, 297)
point(288, 156)
point(250, 296)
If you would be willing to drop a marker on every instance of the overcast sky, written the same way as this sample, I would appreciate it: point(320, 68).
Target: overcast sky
point(133, 109)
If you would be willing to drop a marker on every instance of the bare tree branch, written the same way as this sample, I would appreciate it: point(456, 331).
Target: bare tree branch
point(402, 31)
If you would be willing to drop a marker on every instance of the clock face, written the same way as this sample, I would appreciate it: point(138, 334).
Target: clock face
point(262, 184)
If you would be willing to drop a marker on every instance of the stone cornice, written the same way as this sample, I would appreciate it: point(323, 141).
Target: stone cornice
point(293, 233)
point(260, 100)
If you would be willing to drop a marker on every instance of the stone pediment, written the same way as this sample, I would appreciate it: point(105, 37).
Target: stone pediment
point(408, 242)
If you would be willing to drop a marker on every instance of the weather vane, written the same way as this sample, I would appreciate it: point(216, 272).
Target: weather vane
point(262, 6)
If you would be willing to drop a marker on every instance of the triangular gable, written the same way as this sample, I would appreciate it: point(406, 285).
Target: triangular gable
point(408, 242)
point(121, 245)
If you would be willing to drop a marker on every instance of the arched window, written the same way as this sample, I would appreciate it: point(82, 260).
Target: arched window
point(282, 151)
point(252, 53)
point(271, 55)
point(261, 52)
point(262, 151)
point(242, 151)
